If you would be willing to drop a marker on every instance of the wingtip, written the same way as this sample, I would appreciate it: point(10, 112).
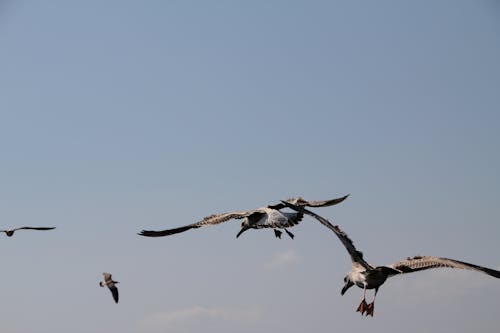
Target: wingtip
point(145, 233)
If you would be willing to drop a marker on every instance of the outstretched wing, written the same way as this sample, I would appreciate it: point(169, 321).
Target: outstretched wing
point(107, 277)
point(356, 256)
point(304, 203)
point(418, 263)
point(324, 203)
point(35, 228)
point(209, 220)
point(114, 292)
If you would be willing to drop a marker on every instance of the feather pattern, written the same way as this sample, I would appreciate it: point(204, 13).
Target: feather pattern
point(299, 201)
point(418, 263)
point(206, 221)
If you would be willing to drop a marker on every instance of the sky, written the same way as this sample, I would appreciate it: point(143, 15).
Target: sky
point(118, 116)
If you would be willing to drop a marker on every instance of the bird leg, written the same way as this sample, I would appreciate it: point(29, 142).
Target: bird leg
point(277, 233)
point(289, 234)
point(371, 306)
point(363, 305)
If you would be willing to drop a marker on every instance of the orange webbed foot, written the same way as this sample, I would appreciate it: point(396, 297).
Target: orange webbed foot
point(370, 308)
point(363, 306)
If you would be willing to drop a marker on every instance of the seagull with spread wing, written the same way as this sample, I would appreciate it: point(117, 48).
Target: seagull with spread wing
point(265, 217)
point(108, 281)
point(253, 219)
point(10, 232)
point(366, 276)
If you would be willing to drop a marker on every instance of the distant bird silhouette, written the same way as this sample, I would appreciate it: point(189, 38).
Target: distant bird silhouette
point(260, 218)
point(10, 232)
point(366, 276)
point(108, 281)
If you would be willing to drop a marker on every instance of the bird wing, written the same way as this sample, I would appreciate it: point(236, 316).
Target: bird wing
point(114, 292)
point(356, 256)
point(418, 263)
point(35, 228)
point(209, 220)
point(302, 202)
point(107, 277)
point(325, 203)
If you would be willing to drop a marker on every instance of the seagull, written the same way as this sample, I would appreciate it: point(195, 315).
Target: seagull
point(10, 232)
point(366, 276)
point(108, 281)
point(260, 218)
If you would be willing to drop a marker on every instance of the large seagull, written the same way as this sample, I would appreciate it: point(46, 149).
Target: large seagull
point(260, 218)
point(366, 276)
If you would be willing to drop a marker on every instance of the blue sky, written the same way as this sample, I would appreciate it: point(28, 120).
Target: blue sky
point(117, 116)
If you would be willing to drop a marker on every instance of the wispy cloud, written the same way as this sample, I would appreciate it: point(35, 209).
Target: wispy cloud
point(200, 314)
point(283, 259)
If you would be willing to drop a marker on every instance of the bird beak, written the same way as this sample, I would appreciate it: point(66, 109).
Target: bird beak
point(347, 285)
point(243, 229)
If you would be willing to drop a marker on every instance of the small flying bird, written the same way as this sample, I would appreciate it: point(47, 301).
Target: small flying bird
point(108, 281)
point(10, 232)
point(265, 217)
point(366, 276)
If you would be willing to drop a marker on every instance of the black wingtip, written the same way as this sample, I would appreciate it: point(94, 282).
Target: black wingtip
point(168, 232)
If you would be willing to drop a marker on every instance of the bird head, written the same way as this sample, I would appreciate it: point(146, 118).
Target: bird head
point(348, 284)
point(243, 229)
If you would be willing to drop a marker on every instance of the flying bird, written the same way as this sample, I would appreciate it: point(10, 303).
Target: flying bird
point(108, 281)
point(10, 232)
point(366, 276)
point(260, 218)
point(253, 219)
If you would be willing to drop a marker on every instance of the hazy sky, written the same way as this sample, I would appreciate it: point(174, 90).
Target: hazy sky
point(121, 115)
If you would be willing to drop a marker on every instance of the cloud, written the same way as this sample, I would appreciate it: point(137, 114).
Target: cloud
point(200, 314)
point(283, 259)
